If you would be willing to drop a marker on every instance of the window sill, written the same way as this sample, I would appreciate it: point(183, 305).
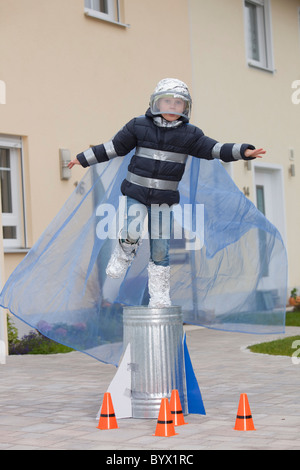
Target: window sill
point(99, 16)
point(256, 65)
point(15, 250)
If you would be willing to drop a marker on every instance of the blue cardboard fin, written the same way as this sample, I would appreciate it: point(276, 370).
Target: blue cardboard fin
point(194, 398)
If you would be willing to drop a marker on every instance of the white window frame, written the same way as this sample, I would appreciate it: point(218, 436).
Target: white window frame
point(17, 217)
point(265, 60)
point(112, 16)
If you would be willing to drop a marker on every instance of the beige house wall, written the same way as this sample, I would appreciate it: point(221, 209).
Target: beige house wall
point(73, 81)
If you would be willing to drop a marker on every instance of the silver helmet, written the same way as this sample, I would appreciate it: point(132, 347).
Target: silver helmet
point(171, 96)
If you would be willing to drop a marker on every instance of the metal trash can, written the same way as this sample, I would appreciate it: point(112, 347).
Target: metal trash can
point(157, 357)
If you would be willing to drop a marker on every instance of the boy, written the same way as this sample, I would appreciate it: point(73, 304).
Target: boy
point(163, 139)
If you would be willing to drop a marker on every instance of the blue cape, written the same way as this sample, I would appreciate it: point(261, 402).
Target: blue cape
point(228, 267)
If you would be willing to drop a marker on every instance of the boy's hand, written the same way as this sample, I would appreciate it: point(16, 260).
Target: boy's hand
point(73, 162)
point(256, 153)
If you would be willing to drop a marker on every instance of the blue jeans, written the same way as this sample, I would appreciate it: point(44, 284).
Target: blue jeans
point(160, 221)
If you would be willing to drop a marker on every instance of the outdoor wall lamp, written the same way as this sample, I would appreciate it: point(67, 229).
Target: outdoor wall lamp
point(64, 159)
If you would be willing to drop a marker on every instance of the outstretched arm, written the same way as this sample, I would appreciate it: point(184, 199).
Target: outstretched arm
point(256, 153)
point(73, 162)
point(202, 146)
point(120, 145)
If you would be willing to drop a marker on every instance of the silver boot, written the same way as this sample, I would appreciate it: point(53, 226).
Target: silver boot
point(159, 286)
point(121, 258)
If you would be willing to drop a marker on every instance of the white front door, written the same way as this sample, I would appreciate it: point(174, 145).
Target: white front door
point(269, 195)
point(269, 198)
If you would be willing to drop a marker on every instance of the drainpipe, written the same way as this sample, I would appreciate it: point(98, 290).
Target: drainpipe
point(3, 322)
point(3, 337)
point(2, 92)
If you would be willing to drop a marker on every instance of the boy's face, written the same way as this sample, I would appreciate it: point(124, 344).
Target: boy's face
point(170, 108)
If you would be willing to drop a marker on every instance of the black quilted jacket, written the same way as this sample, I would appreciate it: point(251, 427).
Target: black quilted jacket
point(144, 132)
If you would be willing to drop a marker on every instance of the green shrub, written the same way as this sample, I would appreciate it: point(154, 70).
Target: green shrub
point(36, 343)
point(12, 331)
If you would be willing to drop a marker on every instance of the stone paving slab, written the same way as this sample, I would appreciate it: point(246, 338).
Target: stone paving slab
point(51, 402)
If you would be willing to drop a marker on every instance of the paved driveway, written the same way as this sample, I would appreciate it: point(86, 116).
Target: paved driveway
point(50, 402)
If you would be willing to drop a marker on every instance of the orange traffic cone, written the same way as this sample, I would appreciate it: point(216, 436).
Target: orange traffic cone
point(107, 415)
point(165, 426)
point(244, 421)
point(176, 409)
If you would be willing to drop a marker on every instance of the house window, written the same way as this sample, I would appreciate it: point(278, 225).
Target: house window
point(260, 197)
point(12, 193)
point(107, 10)
point(104, 8)
point(258, 34)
